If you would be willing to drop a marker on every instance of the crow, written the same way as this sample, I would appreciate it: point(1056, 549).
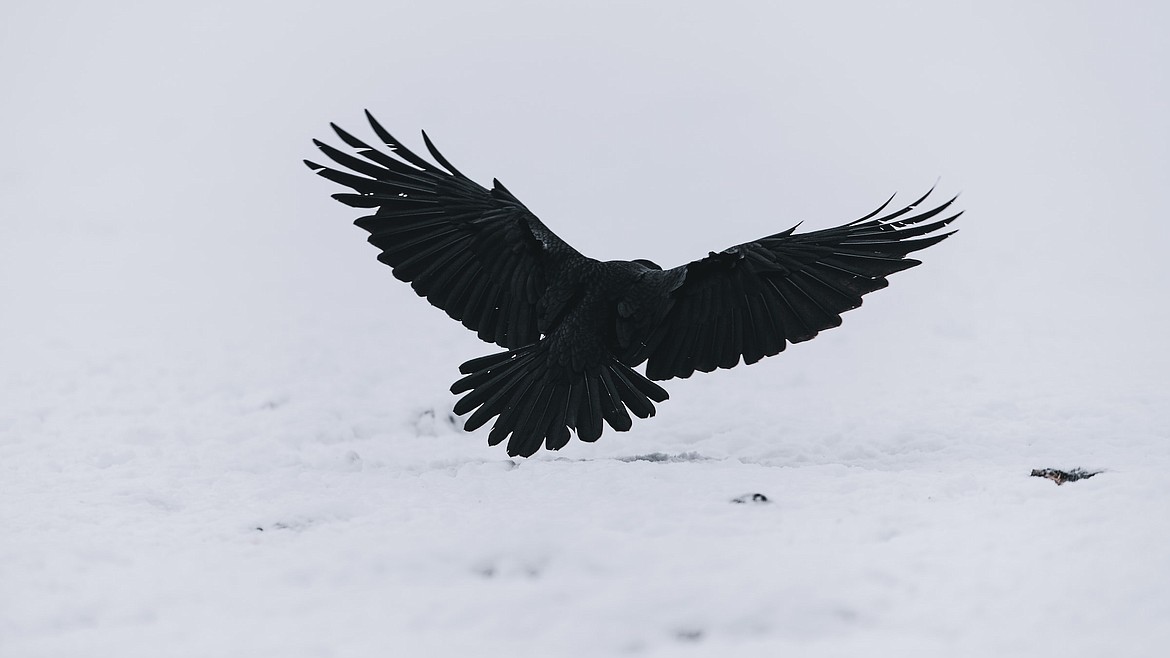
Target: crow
point(573, 327)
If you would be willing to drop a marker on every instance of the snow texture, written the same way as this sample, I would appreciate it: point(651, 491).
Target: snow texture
point(225, 428)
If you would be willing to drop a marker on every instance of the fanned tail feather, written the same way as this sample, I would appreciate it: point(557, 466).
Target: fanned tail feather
point(536, 403)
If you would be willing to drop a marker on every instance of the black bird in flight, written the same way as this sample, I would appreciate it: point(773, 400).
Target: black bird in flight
point(573, 327)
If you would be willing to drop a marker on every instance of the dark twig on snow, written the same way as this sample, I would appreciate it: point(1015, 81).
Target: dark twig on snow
point(1060, 477)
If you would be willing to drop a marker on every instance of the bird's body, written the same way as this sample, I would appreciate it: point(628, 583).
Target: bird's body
point(574, 327)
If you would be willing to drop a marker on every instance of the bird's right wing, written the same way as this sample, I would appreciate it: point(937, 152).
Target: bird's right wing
point(478, 254)
point(749, 300)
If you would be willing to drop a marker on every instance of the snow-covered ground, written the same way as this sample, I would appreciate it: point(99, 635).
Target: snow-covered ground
point(225, 428)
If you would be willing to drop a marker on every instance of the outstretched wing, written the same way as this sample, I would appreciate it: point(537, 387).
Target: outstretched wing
point(479, 255)
point(749, 300)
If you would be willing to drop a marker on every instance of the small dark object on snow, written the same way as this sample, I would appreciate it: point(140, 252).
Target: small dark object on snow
point(1060, 477)
point(750, 498)
point(574, 327)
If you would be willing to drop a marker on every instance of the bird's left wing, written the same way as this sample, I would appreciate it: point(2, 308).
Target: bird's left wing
point(749, 300)
point(478, 254)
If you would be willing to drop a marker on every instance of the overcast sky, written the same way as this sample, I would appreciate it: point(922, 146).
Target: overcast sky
point(152, 190)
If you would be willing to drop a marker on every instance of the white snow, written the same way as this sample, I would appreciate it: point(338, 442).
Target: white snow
point(225, 428)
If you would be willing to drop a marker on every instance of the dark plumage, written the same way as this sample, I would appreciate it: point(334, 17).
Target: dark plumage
point(574, 327)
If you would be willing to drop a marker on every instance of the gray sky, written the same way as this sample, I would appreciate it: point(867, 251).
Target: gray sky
point(153, 190)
